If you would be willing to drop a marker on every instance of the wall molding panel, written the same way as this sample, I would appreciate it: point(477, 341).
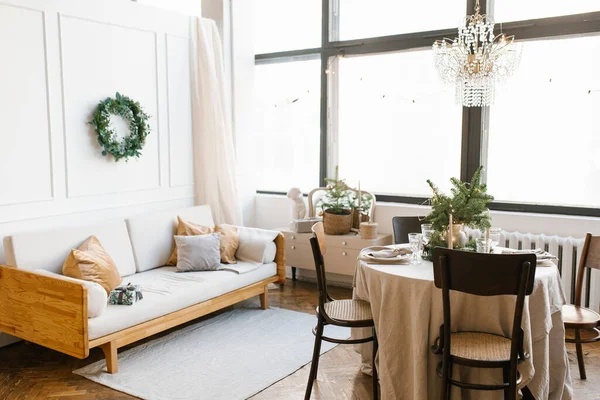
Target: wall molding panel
point(25, 103)
point(69, 55)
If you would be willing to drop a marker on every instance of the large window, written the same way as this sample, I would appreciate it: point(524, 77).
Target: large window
point(546, 120)
point(398, 125)
point(287, 116)
point(351, 83)
point(360, 19)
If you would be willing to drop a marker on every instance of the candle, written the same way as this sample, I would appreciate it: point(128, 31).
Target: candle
point(487, 230)
point(449, 235)
point(359, 196)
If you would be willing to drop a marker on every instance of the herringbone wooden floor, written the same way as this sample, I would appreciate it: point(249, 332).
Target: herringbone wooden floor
point(28, 371)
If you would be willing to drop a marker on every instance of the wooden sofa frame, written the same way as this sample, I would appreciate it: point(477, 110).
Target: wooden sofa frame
point(53, 312)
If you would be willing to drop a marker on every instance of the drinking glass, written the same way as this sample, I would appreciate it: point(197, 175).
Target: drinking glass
point(495, 236)
point(415, 240)
point(426, 231)
point(483, 245)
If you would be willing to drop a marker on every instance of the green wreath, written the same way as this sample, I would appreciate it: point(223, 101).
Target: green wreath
point(139, 128)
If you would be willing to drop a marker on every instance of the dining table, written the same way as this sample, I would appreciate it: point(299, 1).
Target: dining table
point(407, 311)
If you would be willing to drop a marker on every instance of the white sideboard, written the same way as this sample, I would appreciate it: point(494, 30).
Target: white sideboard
point(342, 251)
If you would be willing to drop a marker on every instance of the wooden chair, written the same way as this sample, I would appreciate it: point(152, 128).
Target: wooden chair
point(482, 275)
point(574, 315)
point(348, 313)
point(402, 226)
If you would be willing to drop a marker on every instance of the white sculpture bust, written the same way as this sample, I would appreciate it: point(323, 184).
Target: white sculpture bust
point(298, 208)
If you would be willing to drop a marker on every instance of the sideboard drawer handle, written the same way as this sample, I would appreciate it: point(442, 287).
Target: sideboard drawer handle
point(344, 253)
point(293, 247)
point(344, 243)
point(293, 237)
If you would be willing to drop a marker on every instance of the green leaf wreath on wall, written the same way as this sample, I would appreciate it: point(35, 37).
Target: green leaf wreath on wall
point(133, 113)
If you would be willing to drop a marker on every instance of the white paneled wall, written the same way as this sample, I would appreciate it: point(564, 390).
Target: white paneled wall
point(59, 59)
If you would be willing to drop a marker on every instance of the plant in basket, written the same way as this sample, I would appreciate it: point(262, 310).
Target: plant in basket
point(336, 206)
point(468, 206)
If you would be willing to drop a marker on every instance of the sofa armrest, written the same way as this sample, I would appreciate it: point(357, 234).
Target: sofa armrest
point(44, 310)
point(280, 257)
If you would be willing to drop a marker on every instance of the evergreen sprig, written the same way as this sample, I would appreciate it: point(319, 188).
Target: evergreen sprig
point(139, 128)
point(468, 204)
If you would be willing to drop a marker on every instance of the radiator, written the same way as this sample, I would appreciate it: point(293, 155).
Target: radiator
point(568, 251)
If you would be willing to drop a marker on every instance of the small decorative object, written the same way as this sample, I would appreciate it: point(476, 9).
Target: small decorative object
point(368, 230)
point(139, 128)
point(298, 208)
point(126, 295)
point(303, 225)
point(337, 212)
point(476, 59)
point(466, 207)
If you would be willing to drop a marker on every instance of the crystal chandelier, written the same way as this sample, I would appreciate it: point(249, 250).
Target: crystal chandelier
point(476, 60)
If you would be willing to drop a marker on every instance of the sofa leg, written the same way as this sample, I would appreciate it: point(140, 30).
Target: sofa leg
point(264, 299)
point(110, 353)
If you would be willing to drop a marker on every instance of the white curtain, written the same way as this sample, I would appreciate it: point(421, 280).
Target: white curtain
point(214, 153)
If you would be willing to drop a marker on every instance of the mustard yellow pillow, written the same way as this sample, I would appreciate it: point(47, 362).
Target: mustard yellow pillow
point(92, 263)
point(229, 237)
point(185, 228)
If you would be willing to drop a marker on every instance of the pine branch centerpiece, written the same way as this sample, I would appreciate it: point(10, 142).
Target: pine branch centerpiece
point(467, 204)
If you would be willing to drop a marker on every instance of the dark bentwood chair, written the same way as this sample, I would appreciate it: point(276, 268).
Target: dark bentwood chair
point(402, 226)
point(581, 318)
point(482, 275)
point(348, 313)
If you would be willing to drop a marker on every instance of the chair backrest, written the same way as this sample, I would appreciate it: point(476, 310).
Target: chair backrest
point(484, 275)
point(319, 248)
point(590, 258)
point(402, 226)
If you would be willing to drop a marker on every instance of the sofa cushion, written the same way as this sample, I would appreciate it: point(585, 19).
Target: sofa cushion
point(185, 228)
point(198, 252)
point(253, 244)
point(90, 262)
point(152, 234)
point(49, 249)
point(166, 291)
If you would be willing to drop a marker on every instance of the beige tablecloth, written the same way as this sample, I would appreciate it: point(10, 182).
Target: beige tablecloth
point(407, 309)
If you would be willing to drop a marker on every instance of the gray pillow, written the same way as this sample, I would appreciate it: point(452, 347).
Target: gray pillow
point(198, 252)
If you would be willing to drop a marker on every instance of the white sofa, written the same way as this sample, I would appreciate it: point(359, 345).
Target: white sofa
point(52, 311)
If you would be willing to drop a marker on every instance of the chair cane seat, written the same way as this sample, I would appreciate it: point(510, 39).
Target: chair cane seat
point(480, 346)
point(579, 317)
point(349, 310)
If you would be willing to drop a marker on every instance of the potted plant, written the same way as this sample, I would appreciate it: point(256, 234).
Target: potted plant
point(468, 206)
point(337, 211)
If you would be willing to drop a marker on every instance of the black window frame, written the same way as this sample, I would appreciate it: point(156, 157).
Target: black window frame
point(474, 119)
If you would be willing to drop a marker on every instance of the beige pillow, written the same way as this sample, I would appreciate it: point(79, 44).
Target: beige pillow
point(185, 228)
point(229, 238)
point(92, 263)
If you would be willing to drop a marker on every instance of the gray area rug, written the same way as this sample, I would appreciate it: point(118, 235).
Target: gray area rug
point(231, 356)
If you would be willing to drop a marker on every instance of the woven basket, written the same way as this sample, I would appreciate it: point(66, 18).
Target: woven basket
point(336, 224)
point(355, 218)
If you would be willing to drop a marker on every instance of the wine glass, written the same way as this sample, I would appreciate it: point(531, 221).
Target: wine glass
point(415, 240)
point(495, 236)
point(426, 231)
